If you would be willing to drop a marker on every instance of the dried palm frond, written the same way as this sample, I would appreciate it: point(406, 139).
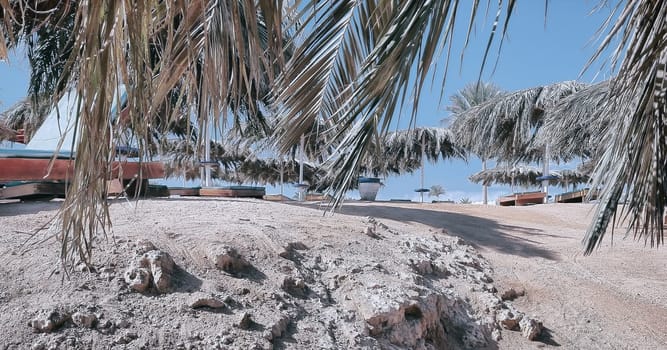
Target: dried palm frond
point(6, 133)
point(635, 156)
point(154, 47)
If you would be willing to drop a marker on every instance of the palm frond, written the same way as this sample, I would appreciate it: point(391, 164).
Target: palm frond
point(210, 50)
point(635, 158)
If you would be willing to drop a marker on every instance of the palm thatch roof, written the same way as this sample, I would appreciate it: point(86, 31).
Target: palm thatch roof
point(576, 125)
point(568, 177)
point(504, 127)
point(6, 133)
point(526, 176)
point(522, 175)
point(403, 151)
point(26, 115)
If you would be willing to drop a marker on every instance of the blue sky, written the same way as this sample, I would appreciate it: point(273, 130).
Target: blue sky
point(533, 54)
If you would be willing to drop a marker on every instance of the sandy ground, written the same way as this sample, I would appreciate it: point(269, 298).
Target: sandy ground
point(614, 299)
point(373, 276)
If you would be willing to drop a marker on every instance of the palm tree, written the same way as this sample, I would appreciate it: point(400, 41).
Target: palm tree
point(354, 64)
point(470, 96)
point(436, 191)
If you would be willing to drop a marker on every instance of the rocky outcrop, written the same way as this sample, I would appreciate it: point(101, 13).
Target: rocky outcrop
point(47, 321)
point(295, 287)
point(229, 260)
point(152, 269)
point(200, 300)
point(84, 319)
point(530, 328)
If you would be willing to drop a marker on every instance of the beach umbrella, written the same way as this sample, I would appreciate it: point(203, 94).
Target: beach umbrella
point(27, 115)
point(522, 175)
point(567, 177)
point(420, 144)
point(577, 124)
point(405, 151)
point(182, 159)
point(504, 127)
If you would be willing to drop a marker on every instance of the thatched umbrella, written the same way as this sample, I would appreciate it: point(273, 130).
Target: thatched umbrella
point(405, 151)
point(567, 177)
point(274, 171)
point(416, 145)
point(24, 115)
point(182, 159)
point(504, 127)
point(576, 125)
point(422, 143)
point(522, 175)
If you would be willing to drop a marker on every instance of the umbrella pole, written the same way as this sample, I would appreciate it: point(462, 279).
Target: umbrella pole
point(422, 170)
point(301, 156)
point(485, 188)
point(282, 171)
point(545, 172)
point(207, 153)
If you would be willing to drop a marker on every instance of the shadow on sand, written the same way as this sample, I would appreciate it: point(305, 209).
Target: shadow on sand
point(476, 231)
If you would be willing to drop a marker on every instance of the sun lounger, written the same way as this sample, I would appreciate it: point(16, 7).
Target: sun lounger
point(578, 196)
point(233, 191)
point(520, 199)
point(184, 191)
